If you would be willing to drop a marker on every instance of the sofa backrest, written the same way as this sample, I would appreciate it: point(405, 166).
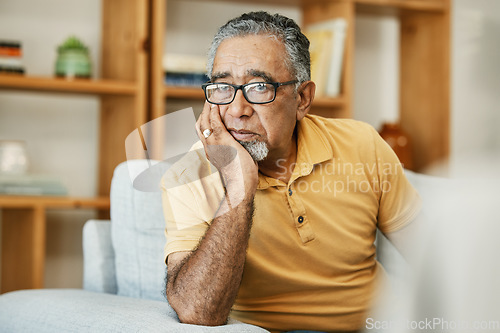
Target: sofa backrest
point(137, 232)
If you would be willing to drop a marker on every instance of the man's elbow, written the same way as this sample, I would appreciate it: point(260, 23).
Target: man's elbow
point(191, 314)
point(195, 319)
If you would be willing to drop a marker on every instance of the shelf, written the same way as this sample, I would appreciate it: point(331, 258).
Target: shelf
point(24, 236)
point(419, 5)
point(11, 201)
point(329, 102)
point(81, 86)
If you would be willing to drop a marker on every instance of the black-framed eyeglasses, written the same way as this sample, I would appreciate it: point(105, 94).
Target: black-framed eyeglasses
point(254, 92)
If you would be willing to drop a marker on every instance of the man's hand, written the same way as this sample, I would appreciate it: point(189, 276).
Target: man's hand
point(234, 163)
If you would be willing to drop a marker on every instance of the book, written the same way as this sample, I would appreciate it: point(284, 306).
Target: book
point(11, 57)
point(31, 185)
point(337, 28)
point(184, 63)
point(184, 69)
point(185, 79)
point(319, 49)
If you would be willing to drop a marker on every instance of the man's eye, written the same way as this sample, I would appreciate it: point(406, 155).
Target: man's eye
point(259, 87)
point(222, 87)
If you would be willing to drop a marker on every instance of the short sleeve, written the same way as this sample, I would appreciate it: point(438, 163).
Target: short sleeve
point(191, 195)
point(183, 227)
point(399, 202)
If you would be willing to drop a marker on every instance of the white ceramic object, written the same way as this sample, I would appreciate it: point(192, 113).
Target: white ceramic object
point(13, 157)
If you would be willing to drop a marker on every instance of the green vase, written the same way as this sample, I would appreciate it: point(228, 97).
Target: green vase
point(73, 63)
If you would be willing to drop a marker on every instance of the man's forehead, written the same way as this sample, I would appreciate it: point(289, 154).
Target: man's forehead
point(268, 77)
point(249, 56)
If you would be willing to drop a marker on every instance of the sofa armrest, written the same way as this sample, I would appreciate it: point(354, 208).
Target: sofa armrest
point(98, 257)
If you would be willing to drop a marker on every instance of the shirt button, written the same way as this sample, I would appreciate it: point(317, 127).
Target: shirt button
point(290, 192)
point(300, 219)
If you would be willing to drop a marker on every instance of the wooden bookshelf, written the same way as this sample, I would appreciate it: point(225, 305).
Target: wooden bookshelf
point(123, 93)
point(122, 88)
point(14, 201)
point(62, 85)
point(424, 66)
point(24, 236)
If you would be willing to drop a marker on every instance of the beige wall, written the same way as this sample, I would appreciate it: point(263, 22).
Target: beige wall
point(475, 86)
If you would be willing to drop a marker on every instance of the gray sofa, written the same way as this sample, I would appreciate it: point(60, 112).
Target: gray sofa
point(124, 272)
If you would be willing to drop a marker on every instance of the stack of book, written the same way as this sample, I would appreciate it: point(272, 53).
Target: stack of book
point(327, 54)
point(184, 70)
point(31, 185)
point(11, 57)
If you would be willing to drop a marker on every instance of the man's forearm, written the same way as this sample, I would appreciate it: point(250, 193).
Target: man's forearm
point(203, 288)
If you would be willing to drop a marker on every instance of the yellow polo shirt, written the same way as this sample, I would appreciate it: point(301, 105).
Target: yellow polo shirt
point(311, 257)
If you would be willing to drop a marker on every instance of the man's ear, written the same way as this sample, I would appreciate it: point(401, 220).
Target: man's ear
point(305, 96)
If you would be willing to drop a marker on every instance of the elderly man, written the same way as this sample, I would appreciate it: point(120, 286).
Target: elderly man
point(281, 234)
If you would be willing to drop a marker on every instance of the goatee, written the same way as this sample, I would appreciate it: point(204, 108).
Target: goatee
point(257, 149)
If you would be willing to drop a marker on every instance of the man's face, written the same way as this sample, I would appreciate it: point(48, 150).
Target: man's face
point(257, 58)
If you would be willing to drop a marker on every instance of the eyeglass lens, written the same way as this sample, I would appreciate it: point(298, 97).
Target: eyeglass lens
point(258, 92)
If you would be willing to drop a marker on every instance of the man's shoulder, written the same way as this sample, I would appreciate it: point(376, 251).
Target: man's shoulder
point(339, 128)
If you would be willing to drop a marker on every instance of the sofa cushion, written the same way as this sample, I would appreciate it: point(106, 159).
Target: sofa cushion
point(137, 232)
point(72, 310)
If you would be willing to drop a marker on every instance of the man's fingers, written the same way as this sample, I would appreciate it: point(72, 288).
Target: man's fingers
point(203, 121)
point(197, 127)
point(217, 126)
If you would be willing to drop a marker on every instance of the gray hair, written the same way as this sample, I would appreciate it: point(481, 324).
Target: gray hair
point(283, 28)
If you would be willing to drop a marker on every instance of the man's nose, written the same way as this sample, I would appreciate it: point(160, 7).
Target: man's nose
point(240, 106)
